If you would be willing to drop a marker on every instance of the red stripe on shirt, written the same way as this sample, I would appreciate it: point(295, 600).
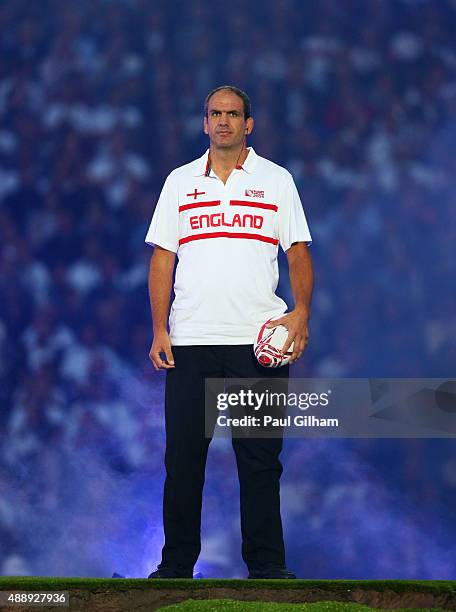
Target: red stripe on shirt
point(254, 204)
point(198, 205)
point(228, 235)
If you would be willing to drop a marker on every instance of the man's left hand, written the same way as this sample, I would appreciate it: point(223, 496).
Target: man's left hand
point(296, 323)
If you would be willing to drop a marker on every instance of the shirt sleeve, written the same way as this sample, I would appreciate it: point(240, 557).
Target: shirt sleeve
point(292, 222)
point(164, 227)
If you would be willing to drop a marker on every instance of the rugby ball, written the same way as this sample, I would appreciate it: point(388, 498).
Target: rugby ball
point(268, 344)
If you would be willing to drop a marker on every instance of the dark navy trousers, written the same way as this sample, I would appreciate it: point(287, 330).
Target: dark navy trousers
point(259, 468)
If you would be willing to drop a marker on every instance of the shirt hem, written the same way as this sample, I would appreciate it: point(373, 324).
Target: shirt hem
point(211, 341)
point(168, 246)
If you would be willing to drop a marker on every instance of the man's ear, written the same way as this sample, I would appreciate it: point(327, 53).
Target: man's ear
point(206, 131)
point(249, 125)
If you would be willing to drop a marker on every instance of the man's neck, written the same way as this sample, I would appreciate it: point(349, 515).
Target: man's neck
point(225, 160)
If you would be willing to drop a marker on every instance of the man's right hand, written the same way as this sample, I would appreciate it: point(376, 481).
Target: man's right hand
point(161, 344)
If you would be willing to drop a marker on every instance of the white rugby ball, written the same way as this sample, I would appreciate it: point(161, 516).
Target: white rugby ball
point(268, 344)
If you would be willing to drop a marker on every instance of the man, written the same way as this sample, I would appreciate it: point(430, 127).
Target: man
point(224, 215)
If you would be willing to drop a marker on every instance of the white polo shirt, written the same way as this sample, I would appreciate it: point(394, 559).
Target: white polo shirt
point(226, 237)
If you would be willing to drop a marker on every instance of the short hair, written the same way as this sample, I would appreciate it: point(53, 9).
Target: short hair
point(244, 97)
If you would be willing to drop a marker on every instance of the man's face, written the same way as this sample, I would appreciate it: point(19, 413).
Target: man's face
point(225, 123)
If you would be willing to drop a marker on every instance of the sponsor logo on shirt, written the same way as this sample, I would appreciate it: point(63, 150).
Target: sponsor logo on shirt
point(254, 193)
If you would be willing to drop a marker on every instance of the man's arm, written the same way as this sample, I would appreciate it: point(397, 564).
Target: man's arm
point(160, 282)
point(301, 279)
point(301, 275)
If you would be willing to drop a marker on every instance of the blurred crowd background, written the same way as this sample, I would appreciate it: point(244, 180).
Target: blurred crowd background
point(99, 101)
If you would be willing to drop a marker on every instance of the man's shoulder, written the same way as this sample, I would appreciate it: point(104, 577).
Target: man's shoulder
point(271, 168)
point(186, 170)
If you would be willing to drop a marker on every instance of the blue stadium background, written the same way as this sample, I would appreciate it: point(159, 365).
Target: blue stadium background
point(99, 100)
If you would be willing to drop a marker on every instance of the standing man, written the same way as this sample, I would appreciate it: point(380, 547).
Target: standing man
point(224, 215)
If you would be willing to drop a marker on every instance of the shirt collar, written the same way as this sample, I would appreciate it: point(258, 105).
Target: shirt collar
point(248, 165)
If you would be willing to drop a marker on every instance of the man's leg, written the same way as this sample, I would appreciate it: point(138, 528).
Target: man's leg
point(259, 471)
point(186, 453)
